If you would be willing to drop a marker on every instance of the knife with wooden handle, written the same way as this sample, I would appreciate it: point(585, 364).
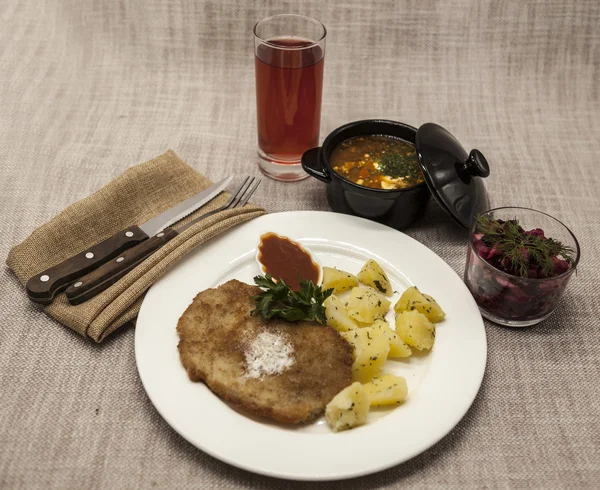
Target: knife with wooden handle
point(105, 276)
point(42, 287)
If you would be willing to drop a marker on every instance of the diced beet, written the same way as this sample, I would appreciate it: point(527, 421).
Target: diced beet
point(494, 252)
point(535, 232)
point(482, 249)
point(520, 295)
point(561, 266)
point(548, 287)
point(477, 237)
point(532, 273)
point(503, 281)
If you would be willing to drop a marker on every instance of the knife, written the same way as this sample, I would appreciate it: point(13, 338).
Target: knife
point(42, 287)
point(105, 276)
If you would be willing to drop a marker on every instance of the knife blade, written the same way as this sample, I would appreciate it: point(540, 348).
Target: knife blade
point(42, 287)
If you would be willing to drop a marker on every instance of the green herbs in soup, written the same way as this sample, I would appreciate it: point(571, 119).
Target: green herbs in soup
point(377, 161)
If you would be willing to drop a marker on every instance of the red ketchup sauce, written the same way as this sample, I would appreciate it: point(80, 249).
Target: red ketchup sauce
point(285, 259)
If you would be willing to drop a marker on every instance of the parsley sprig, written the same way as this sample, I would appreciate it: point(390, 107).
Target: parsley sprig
point(277, 299)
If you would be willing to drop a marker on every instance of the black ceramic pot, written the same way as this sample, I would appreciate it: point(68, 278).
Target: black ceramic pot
point(397, 208)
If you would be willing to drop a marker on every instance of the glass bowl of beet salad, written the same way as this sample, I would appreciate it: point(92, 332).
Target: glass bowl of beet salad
point(519, 262)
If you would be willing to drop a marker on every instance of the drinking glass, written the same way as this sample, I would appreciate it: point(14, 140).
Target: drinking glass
point(515, 301)
point(289, 53)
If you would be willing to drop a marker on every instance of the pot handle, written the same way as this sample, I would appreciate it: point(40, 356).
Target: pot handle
point(311, 163)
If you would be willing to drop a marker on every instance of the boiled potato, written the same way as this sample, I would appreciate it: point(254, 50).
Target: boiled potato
point(386, 389)
point(373, 275)
point(348, 408)
point(366, 305)
point(415, 329)
point(337, 316)
point(338, 280)
point(370, 359)
point(397, 347)
point(413, 299)
point(360, 338)
point(366, 324)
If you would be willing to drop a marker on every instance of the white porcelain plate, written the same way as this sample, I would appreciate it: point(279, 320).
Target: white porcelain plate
point(442, 384)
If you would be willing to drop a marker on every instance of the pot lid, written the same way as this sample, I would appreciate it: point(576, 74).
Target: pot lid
point(454, 177)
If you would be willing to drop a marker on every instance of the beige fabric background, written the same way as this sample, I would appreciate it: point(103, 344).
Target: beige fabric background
point(89, 88)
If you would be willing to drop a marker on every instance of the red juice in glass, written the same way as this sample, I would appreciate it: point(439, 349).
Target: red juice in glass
point(289, 83)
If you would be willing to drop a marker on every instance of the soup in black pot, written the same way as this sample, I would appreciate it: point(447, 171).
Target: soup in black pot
point(378, 162)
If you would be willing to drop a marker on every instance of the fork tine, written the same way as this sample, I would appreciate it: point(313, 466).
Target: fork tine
point(235, 195)
point(247, 183)
point(248, 194)
point(241, 195)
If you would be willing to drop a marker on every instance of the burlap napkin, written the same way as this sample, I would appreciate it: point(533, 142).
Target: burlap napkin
point(137, 195)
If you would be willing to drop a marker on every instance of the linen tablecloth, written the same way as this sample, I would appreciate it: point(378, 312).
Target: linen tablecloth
point(90, 88)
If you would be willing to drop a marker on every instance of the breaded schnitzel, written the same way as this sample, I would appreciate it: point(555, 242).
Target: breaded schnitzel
point(284, 371)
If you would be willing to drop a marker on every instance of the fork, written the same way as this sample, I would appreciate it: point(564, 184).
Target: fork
point(106, 275)
point(239, 199)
